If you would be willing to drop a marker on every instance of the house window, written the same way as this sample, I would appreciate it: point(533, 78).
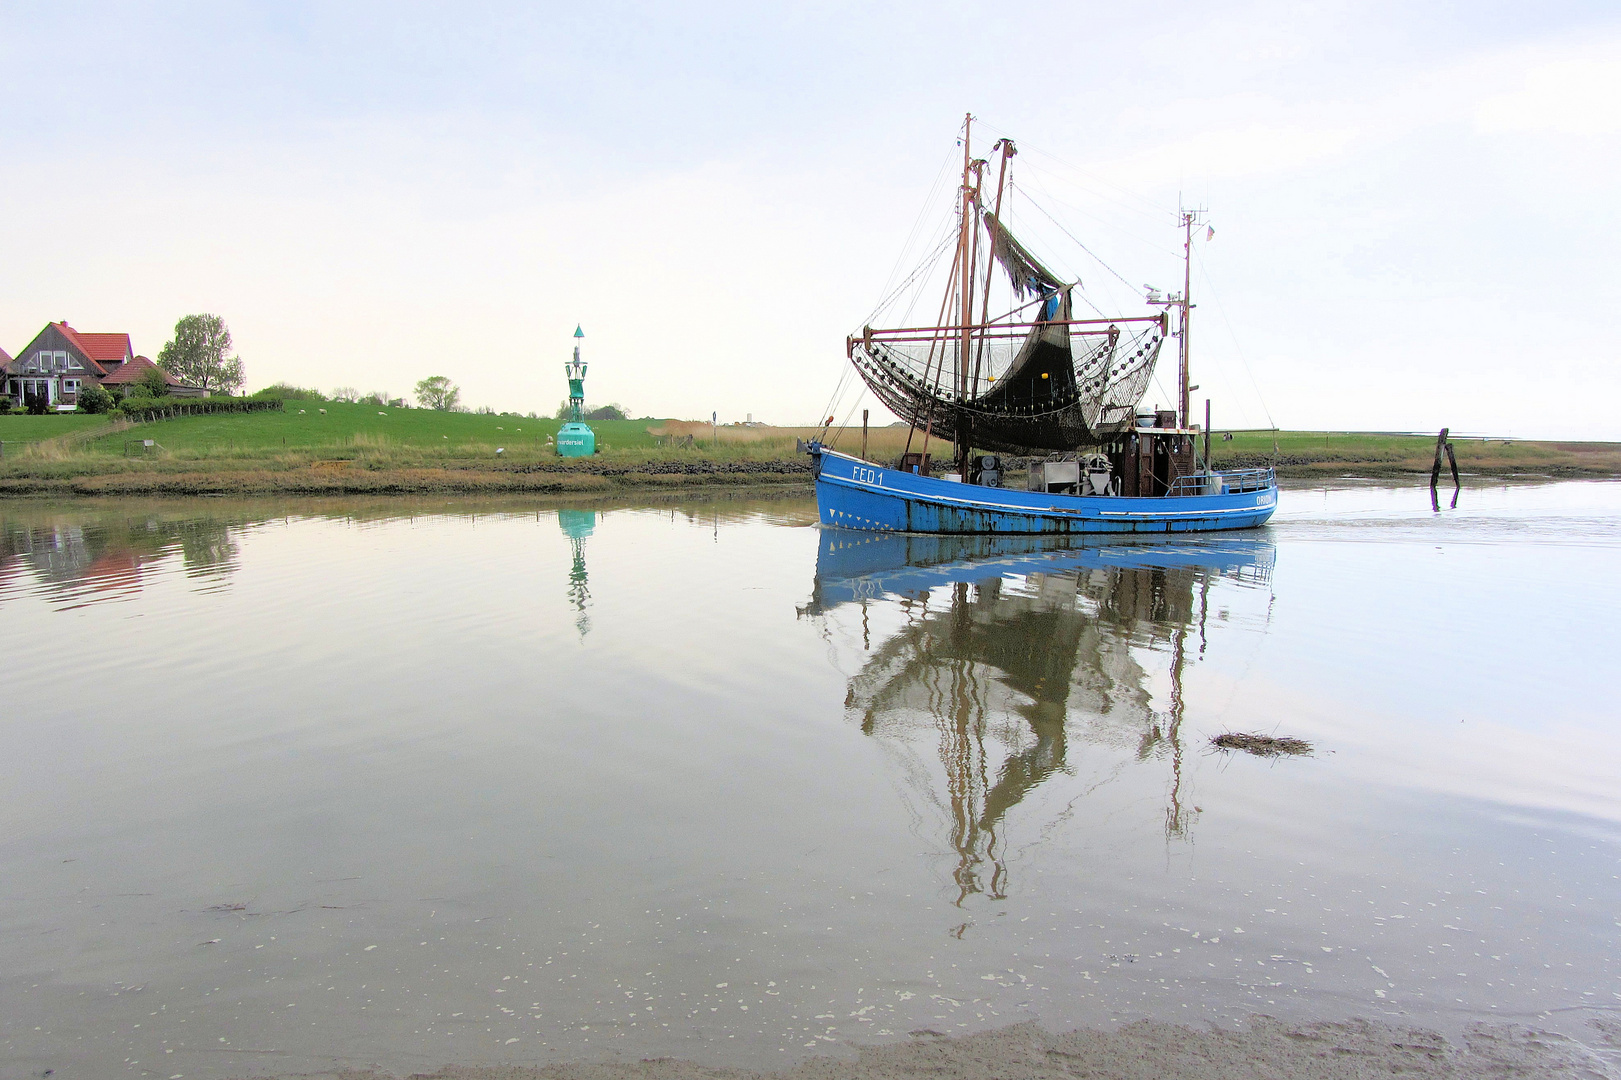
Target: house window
point(73, 363)
point(70, 386)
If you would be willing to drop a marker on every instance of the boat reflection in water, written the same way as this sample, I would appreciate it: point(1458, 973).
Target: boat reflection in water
point(1012, 650)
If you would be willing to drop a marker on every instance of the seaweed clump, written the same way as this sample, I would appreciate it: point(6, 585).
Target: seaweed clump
point(1262, 745)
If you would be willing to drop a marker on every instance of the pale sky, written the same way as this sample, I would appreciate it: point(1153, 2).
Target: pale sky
point(1415, 204)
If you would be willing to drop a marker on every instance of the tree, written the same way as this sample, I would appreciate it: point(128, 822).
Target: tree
point(199, 355)
point(152, 383)
point(438, 392)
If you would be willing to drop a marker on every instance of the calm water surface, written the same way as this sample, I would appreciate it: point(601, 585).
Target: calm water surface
point(286, 788)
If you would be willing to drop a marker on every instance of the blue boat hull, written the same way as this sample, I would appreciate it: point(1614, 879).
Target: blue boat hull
point(853, 494)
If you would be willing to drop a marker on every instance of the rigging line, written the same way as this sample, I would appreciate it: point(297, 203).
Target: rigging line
point(1078, 290)
point(922, 213)
point(1222, 310)
point(1035, 173)
point(927, 264)
point(844, 425)
point(1043, 211)
point(1148, 208)
point(838, 392)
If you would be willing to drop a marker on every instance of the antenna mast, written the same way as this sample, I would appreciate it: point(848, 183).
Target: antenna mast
point(1190, 218)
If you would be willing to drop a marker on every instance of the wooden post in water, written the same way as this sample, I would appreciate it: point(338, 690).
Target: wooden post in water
point(1440, 447)
point(1453, 461)
point(864, 436)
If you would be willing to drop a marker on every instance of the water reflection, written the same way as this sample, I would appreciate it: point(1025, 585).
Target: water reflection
point(86, 559)
point(1435, 498)
point(1009, 651)
point(577, 525)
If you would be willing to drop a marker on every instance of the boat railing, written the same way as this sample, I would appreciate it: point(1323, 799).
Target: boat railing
point(1235, 482)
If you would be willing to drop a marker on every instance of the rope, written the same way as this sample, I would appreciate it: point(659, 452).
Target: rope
point(1146, 207)
point(1042, 210)
point(1222, 310)
point(927, 264)
point(922, 213)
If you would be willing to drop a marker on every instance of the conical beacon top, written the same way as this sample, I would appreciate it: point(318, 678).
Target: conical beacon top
point(577, 331)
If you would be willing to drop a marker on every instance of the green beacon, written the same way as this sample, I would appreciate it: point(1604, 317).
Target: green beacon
point(575, 439)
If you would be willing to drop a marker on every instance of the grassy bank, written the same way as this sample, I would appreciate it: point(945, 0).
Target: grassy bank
point(1369, 454)
point(1303, 454)
point(339, 449)
point(361, 449)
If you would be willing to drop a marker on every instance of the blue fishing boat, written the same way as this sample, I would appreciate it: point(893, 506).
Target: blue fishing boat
point(1062, 393)
point(855, 494)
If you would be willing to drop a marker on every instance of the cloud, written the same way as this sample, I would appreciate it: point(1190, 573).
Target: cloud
point(1579, 96)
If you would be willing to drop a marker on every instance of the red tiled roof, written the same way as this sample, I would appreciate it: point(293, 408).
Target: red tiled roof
point(105, 347)
point(132, 372)
point(5, 358)
point(91, 352)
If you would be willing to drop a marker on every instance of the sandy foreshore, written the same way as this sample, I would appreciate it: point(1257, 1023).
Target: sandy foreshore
point(1261, 1049)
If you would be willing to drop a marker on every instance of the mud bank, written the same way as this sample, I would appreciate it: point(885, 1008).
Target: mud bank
point(1261, 1048)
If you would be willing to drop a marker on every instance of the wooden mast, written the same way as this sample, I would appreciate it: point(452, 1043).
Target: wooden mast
point(964, 346)
point(1008, 151)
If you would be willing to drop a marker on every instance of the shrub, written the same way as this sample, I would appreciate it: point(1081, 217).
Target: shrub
point(144, 408)
point(288, 392)
point(94, 398)
point(607, 412)
point(153, 383)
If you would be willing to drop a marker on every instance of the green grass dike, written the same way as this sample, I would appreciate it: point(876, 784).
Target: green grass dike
point(329, 448)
